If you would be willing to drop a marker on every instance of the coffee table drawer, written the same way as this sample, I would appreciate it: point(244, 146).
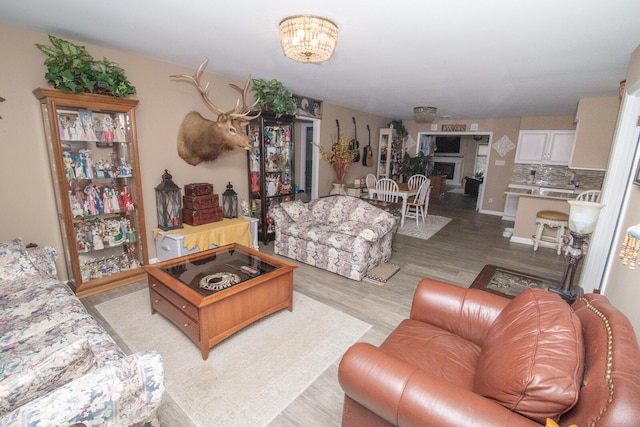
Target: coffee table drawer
point(175, 299)
point(177, 317)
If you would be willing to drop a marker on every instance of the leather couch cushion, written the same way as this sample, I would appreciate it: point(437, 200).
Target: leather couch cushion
point(434, 350)
point(532, 360)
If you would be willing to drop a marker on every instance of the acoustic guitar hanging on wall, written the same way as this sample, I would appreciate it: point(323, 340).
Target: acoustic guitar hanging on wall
point(355, 145)
point(367, 155)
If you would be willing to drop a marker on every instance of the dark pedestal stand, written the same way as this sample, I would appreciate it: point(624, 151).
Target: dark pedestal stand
point(567, 291)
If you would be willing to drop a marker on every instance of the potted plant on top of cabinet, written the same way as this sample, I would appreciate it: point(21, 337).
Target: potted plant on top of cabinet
point(273, 97)
point(71, 68)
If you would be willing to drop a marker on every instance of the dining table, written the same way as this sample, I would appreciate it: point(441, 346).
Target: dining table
point(404, 192)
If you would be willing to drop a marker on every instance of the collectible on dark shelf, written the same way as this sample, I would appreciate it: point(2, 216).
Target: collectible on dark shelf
point(271, 168)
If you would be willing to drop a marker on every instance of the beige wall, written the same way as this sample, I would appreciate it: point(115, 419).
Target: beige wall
point(548, 123)
point(25, 180)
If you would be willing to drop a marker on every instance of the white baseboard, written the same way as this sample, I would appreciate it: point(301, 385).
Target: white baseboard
point(153, 260)
point(529, 241)
point(495, 213)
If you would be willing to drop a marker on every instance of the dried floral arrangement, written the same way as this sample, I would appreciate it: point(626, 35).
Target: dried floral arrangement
point(340, 157)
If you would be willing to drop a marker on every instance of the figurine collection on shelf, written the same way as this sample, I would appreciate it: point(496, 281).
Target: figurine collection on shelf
point(96, 199)
point(102, 267)
point(85, 125)
point(99, 233)
point(80, 165)
point(277, 160)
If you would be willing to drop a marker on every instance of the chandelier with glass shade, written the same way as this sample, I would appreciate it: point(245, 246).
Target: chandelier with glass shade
point(308, 38)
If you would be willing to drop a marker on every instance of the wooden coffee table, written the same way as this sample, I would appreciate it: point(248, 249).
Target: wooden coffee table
point(208, 316)
point(509, 283)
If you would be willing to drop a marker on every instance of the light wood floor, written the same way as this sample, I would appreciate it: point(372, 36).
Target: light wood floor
point(456, 254)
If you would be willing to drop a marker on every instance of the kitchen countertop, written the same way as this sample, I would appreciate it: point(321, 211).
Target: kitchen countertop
point(544, 194)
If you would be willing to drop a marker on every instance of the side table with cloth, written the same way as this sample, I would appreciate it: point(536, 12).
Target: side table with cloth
point(202, 237)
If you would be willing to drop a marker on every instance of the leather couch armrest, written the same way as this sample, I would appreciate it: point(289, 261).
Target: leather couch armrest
point(405, 395)
point(466, 312)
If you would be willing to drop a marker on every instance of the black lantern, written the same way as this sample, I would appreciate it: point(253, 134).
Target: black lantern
point(168, 203)
point(230, 202)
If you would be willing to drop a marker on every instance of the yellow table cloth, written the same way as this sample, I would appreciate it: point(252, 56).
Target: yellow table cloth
point(219, 233)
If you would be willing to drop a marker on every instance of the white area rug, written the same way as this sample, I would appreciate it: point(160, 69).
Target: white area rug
point(253, 375)
point(426, 229)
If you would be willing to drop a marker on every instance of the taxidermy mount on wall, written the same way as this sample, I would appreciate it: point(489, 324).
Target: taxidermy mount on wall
point(202, 140)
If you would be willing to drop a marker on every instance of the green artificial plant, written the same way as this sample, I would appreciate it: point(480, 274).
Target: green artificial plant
point(71, 68)
point(272, 96)
point(401, 131)
point(415, 165)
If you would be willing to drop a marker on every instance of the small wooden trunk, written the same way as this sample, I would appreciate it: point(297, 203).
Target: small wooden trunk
point(200, 202)
point(201, 216)
point(198, 189)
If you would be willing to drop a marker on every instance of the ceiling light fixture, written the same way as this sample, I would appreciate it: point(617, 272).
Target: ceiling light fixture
point(424, 114)
point(308, 38)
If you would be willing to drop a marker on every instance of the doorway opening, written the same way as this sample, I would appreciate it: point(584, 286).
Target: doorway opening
point(460, 154)
point(308, 158)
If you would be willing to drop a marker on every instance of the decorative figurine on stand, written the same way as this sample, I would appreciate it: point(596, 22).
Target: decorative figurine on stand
point(90, 201)
point(76, 206)
point(87, 163)
point(108, 134)
point(68, 165)
point(107, 206)
point(119, 131)
point(87, 128)
point(97, 128)
point(127, 200)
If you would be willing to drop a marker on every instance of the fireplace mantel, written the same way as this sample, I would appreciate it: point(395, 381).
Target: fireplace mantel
point(457, 162)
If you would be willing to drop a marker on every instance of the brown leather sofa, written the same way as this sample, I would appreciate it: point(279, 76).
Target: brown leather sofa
point(446, 364)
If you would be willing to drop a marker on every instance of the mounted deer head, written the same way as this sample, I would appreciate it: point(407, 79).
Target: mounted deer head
point(202, 140)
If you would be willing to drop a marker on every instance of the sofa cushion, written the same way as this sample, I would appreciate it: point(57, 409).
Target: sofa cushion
point(434, 350)
point(356, 229)
point(55, 370)
point(297, 211)
point(14, 261)
point(532, 360)
point(43, 259)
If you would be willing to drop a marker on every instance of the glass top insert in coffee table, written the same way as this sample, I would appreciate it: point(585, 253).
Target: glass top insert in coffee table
point(219, 271)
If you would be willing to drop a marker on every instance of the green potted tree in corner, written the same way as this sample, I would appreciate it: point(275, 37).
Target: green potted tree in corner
point(273, 97)
point(419, 164)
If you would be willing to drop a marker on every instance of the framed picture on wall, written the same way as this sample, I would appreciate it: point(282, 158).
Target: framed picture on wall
point(308, 107)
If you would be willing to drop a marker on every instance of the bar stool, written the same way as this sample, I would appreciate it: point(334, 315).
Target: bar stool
point(552, 219)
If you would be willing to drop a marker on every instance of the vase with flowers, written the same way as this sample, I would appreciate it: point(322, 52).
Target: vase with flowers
point(340, 158)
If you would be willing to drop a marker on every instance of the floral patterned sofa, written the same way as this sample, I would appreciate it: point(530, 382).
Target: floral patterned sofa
point(341, 234)
point(57, 365)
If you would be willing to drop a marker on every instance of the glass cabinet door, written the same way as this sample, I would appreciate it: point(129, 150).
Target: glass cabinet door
point(271, 168)
point(93, 151)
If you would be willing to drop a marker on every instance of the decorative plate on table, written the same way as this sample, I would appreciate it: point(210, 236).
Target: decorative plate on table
point(219, 281)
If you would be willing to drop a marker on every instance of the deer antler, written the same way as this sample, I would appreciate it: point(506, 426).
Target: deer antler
point(234, 113)
point(246, 109)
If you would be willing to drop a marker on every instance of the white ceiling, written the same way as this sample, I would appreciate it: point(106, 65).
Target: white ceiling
point(469, 58)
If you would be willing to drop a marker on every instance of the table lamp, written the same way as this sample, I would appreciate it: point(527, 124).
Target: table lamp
point(582, 220)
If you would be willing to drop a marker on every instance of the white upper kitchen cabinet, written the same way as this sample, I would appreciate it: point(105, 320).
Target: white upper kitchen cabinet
point(552, 147)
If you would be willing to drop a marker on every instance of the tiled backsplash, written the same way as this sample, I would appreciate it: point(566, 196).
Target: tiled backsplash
point(557, 176)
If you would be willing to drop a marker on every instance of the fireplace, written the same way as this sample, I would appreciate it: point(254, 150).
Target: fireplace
point(451, 167)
